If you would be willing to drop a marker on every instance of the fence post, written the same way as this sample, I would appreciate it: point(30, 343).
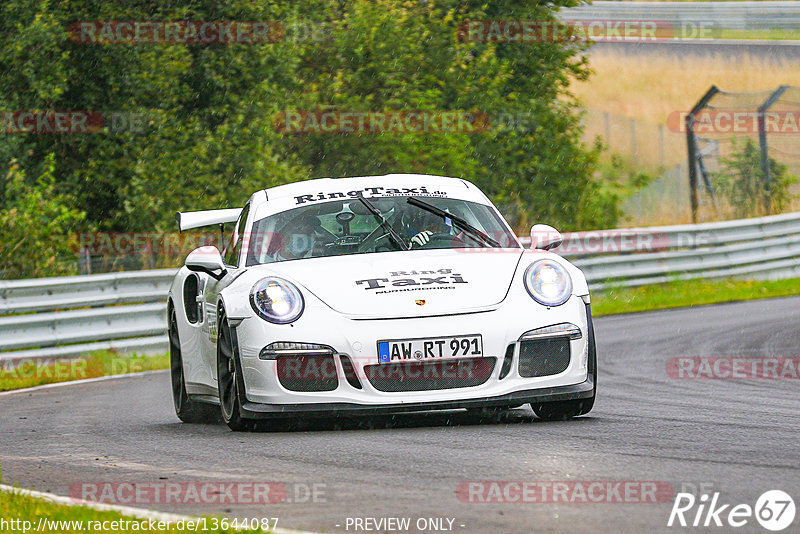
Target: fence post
point(691, 147)
point(762, 142)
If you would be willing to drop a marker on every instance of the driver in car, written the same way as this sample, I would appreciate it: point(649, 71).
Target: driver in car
point(298, 238)
point(413, 221)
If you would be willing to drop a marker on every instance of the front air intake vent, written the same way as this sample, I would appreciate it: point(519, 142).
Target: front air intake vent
point(307, 373)
point(543, 357)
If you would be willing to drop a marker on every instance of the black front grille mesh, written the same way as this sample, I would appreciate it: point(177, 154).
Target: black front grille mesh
point(307, 373)
point(426, 376)
point(543, 357)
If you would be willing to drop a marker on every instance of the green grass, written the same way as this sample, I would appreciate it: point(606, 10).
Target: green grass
point(774, 34)
point(686, 293)
point(25, 373)
point(14, 506)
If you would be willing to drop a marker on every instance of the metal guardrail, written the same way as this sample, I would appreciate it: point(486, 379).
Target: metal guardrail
point(734, 15)
point(57, 317)
point(54, 317)
point(761, 248)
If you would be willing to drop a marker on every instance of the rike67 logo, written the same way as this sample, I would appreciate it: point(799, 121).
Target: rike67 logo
point(774, 510)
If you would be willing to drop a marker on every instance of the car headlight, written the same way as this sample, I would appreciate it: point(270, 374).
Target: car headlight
point(548, 282)
point(276, 300)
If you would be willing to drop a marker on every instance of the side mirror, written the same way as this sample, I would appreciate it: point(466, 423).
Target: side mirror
point(206, 260)
point(544, 237)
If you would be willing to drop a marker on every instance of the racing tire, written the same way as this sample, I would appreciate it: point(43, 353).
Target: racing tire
point(562, 410)
point(187, 410)
point(229, 377)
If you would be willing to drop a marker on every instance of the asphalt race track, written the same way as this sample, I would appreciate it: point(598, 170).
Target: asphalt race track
point(737, 437)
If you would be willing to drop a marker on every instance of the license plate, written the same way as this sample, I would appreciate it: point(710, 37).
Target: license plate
point(430, 348)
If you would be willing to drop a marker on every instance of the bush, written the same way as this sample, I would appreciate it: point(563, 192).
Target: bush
point(35, 226)
point(741, 183)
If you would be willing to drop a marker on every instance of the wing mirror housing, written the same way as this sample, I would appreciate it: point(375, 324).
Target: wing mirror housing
point(206, 260)
point(544, 237)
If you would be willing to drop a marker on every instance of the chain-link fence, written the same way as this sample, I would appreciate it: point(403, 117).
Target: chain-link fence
point(652, 146)
point(743, 152)
point(655, 149)
point(743, 157)
point(663, 201)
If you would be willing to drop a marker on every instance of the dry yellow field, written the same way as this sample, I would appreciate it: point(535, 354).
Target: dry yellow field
point(649, 87)
point(628, 99)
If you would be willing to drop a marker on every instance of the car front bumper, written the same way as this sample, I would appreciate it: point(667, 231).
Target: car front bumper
point(584, 390)
point(265, 396)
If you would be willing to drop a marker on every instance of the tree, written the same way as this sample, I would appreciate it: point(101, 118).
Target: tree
point(37, 226)
point(386, 55)
point(210, 136)
point(206, 142)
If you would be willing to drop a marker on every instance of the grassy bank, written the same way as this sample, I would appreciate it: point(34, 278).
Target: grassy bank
point(772, 34)
point(16, 509)
point(681, 294)
point(30, 372)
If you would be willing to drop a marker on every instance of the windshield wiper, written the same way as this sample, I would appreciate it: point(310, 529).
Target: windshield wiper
point(467, 227)
point(384, 223)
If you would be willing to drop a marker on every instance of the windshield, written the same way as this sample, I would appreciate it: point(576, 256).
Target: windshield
point(344, 227)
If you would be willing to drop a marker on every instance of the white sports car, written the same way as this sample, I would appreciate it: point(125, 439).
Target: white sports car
point(376, 294)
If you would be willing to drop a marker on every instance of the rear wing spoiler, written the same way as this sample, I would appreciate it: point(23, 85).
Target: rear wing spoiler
point(198, 219)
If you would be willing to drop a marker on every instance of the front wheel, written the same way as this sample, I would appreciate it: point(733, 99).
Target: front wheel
point(562, 410)
point(229, 377)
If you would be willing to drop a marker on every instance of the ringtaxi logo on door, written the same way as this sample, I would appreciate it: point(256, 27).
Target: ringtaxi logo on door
point(774, 510)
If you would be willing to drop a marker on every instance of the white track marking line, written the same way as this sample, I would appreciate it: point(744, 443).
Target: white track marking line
point(81, 381)
point(139, 513)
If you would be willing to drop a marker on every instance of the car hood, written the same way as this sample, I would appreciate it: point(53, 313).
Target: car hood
point(406, 284)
